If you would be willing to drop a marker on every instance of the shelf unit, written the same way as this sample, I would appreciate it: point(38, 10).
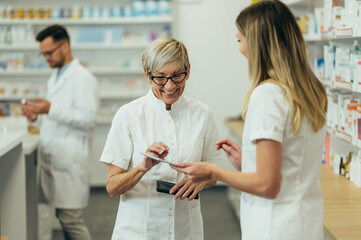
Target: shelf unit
point(47, 72)
point(100, 21)
point(340, 141)
point(112, 63)
point(123, 46)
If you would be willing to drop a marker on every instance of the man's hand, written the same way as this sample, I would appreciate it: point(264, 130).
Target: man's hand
point(40, 106)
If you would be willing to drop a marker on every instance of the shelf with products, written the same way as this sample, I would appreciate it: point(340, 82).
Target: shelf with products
point(110, 21)
point(330, 31)
point(47, 72)
point(108, 38)
point(32, 47)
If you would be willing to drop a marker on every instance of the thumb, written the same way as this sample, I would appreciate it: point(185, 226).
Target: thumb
point(183, 164)
point(37, 99)
point(227, 149)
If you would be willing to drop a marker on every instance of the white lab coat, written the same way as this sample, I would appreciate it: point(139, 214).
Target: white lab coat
point(190, 133)
point(297, 212)
point(65, 134)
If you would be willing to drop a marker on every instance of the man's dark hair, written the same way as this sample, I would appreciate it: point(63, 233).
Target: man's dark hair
point(57, 32)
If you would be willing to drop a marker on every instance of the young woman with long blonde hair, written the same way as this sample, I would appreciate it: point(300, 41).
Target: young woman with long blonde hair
point(285, 115)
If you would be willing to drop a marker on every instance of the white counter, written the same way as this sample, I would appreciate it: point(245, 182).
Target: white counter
point(9, 140)
point(31, 143)
point(12, 185)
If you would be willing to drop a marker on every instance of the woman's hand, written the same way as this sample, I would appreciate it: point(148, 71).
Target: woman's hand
point(187, 188)
point(233, 152)
point(195, 171)
point(157, 149)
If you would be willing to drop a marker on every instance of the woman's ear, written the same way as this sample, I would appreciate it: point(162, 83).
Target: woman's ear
point(147, 77)
point(188, 71)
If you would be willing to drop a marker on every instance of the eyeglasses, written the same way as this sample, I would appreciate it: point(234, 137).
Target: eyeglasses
point(161, 81)
point(48, 54)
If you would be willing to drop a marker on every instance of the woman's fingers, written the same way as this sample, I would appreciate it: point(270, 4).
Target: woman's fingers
point(225, 142)
point(176, 186)
point(159, 148)
point(182, 190)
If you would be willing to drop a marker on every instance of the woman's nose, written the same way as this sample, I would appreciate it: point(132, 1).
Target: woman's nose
point(170, 84)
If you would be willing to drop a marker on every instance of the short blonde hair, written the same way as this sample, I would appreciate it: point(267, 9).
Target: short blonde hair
point(163, 51)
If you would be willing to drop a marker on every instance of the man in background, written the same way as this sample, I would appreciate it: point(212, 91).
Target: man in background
point(66, 118)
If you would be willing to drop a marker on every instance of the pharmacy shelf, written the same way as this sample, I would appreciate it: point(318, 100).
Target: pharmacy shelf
point(47, 72)
point(99, 21)
point(130, 94)
point(100, 46)
point(339, 86)
point(303, 3)
point(16, 98)
point(292, 2)
point(341, 135)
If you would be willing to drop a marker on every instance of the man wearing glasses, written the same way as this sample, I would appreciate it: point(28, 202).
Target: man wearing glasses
point(66, 118)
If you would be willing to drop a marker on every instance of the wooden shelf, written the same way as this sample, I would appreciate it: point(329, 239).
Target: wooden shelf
point(342, 204)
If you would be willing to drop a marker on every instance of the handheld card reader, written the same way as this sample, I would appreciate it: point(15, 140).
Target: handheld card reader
point(164, 187)
point(159, 159)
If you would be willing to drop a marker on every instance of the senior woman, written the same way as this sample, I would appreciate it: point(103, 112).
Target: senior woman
point(163, 123)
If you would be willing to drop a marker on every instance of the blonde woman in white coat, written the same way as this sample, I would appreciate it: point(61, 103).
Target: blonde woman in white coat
point(163, 123)
point(66, 118)
point(284, 132)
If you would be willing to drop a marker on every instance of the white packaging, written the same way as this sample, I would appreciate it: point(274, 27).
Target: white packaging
point(318, 22)
point(358, 72)
point(342, 68)
point(343, 99)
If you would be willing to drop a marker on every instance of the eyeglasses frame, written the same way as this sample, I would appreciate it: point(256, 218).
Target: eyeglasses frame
point(171, 78)
point(50, 53)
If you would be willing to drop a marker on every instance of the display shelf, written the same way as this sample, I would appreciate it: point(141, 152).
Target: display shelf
point(131, 94)
point(294, 2)
point(47, 72)
point(115, 64)
point(26, 73)
point(303, 3)
point(17, 98)
point(100, 46)
point(95, 21)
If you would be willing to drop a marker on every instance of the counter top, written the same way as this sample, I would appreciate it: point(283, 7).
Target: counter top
point(9, 140)
point(236, 127)
point(342, 206)
point(30, 143)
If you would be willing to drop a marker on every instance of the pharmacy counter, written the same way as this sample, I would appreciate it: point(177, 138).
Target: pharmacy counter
point(342, 200)
point(12, 185)
point(342, 206)
point(30, 150)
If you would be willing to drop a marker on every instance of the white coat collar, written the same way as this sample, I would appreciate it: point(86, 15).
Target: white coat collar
point(55, 85)
point(179, 104)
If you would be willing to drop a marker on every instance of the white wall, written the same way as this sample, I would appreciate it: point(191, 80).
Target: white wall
point(219, 73)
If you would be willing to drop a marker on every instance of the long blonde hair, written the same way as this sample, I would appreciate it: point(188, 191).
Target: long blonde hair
point(277, 53)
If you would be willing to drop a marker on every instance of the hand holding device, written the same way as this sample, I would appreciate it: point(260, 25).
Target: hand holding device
point(158, 159)
point(164, 187)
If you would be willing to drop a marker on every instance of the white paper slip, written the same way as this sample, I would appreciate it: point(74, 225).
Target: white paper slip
point(159, 159)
